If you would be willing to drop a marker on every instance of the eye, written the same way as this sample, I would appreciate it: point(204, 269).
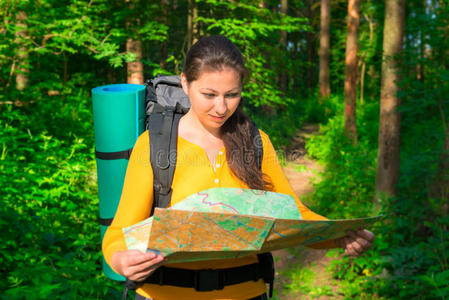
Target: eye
point(209, 96)
point(233, 95)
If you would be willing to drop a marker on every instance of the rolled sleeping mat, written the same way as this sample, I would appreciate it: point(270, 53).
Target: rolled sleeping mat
point(119, 117)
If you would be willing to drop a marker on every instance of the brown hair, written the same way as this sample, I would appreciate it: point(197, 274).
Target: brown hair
point(214, 53)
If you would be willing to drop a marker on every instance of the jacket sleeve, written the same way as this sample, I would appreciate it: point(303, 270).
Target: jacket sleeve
point(272, 168)
point(136, 199)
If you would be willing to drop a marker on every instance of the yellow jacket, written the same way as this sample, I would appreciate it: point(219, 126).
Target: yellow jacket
point(193, 174)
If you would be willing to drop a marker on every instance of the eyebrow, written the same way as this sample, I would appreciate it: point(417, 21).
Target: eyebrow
point(237, 89)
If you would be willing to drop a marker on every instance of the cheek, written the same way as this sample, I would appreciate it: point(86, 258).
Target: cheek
point(199, 104)
point(234, 104)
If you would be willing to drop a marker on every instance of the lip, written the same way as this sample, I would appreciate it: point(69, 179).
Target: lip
point(216, 118)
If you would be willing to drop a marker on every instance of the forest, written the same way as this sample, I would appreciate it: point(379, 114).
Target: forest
point(372, 74)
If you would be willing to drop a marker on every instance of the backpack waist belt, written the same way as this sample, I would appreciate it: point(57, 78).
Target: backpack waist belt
point(211, 279)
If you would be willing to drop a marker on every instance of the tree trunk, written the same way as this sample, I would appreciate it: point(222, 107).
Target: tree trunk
point(389, 122)
point(283, 42)
point(165, 8)
point(295, 79)
point(192, 29)
point(325, 90)
point(351, 70)
point(135, 68)
point(310, 37)
point(422, 46)
point(363, 68)
point(22, 69)
point(195, 33)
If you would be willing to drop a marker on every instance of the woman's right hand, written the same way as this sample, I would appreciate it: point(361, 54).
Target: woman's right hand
point(136, 265)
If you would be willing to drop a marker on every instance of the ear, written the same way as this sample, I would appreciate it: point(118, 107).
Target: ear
point(184, 84)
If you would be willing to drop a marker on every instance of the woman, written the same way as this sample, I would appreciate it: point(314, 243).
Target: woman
point(214, 139)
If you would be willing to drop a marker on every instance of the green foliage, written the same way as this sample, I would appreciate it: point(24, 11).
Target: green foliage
point(346, 188)
point(300, 280)
point(410, 254)
point(51, 238)
point(48, 212)
point(396, 268)
point(250, 28)
point(280, 125)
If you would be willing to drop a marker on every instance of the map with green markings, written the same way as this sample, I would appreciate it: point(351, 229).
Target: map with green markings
point(231, 222)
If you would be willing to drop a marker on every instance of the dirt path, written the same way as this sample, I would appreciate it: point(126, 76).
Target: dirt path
point(300, 170)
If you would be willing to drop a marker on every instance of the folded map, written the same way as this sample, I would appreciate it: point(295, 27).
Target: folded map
point(231, 222)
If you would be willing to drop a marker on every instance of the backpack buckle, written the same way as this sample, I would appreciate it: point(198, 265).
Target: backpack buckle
point(159, 188)
point(208, 280)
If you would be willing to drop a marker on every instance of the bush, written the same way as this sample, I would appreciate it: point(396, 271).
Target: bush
point(51, 237)
point(345, 189)
point(409, 258)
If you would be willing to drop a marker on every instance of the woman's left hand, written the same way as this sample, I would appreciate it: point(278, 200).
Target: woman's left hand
point(356, 242)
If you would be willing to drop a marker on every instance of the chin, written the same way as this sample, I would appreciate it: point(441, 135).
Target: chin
point(215, 125)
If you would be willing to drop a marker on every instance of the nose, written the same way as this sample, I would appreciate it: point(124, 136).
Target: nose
point(221, 106)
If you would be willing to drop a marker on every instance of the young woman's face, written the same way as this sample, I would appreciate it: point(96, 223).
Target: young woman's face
point(214, 96)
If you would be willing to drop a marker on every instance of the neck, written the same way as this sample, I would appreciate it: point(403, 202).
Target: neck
point(196, 126)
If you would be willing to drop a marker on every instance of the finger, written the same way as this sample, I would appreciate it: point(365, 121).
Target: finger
point(152, 268)
point(363, 243)
point(136, 257)
point(131, 271)
point(353, 237)
point(147, 264)
point(361, 240)
point(350, 250)
point(354, 249)
point(366, 234)
point(348, 247)
point(357, 247)
point(139, 276)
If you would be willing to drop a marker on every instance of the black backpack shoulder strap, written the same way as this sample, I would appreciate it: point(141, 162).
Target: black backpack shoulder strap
point(163, 131)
